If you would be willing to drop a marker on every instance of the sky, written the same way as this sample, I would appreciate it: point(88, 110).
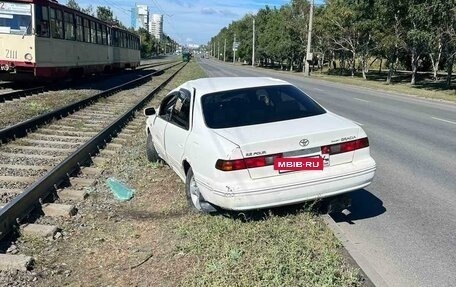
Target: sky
point(188, 22)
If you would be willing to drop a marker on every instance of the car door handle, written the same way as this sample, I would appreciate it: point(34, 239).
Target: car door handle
point(180, 145)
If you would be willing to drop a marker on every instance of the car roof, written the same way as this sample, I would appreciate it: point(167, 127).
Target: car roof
point(217, 84)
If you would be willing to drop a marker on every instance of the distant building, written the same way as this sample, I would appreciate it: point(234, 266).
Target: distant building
point(133, 18)
point(140, 17)
point(156, 26)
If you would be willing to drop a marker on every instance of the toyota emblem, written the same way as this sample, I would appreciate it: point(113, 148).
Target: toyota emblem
point(304, 142)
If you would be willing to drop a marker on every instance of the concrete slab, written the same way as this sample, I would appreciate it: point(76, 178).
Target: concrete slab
point(29, 167)
point(107, 152)
point(57, 210)
point(49, 142)
point(15, 262)
point(21, 179)
point(39, 230)
point(113, 146)
point(39, 156)
point(82, 182)
point(128, 130)
point(124, 136)
point(68, 194)
point(99, 160)
point(10, 191)
point(48, 149)
point(118, 140)
point(91, 171)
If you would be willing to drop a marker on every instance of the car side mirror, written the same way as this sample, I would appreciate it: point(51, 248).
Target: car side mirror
point(149, 112)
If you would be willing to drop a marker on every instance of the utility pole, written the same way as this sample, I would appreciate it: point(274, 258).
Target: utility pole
point(224, 52)
point(253, 44)
point(234, 49)
point(218, 53)
point(309, 41)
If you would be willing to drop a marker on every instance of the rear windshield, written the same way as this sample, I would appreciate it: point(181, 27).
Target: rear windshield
point(257, 105)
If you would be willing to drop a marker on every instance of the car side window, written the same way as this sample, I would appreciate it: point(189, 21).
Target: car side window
point(166, 106)
point(181, 110)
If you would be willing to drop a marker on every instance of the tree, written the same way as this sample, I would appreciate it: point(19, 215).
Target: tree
point(390, 35)
point(88, 10)
point(73, 5)
point(409, 34)
point(105, 14)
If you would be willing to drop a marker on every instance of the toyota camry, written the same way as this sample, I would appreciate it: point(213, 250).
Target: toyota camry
point(256, 142)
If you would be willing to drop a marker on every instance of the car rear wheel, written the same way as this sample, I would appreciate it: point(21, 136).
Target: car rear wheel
point(152, 154)
point(195, 200)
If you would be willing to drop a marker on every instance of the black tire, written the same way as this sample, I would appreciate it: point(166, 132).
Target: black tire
point(152, 154)
point(195, 200)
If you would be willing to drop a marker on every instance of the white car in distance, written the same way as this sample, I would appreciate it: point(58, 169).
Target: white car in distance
point(222, 136)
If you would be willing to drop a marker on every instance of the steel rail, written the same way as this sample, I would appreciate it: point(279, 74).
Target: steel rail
point(41, 89)
point(22, 93)
point(32, 197)
point(21, 129)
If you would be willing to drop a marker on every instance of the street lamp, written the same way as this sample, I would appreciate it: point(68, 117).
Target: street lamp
point(309, 42)
point(234, 49)
point(253, 44)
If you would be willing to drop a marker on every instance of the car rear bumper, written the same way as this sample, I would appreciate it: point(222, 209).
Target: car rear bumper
point(258, 195)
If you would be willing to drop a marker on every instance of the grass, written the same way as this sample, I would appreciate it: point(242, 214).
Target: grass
point(296, 249)
point(291, 250)
point(424, 88)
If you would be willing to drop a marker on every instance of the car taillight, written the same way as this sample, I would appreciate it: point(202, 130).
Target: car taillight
point(251, 162)
point(345, 147)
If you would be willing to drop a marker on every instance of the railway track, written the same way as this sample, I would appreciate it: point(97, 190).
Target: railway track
point(53, 161)
point(15, 94)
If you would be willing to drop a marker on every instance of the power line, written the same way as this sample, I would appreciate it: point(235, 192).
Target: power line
point(170, 21)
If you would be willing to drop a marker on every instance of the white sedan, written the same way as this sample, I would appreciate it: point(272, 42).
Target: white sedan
point(233, 141)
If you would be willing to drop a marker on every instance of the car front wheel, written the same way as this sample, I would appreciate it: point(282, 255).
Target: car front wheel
point(195, 200)
point(152, 154)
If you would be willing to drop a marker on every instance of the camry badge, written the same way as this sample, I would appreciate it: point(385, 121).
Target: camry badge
point(304, 142)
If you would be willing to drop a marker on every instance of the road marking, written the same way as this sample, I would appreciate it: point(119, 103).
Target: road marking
point(361, 100)
point(443, 120)
point(320, 90)
point(358, 123)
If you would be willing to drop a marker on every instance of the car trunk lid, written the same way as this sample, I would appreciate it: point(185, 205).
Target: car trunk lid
point(302, 137)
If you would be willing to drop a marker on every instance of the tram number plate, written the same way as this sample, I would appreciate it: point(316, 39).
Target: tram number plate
point(11, 54)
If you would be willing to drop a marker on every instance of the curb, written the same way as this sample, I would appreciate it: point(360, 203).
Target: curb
point(354, 257)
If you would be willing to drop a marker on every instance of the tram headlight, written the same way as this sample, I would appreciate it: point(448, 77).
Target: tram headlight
point(28, 56)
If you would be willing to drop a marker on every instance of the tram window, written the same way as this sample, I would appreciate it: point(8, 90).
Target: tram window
point(99, 33)
point(69, 26)
point(15, 18)
point(104, 35)
point(93, 35)
point(42, 21)
point(86, 30)
point(115, 38)
point(79, 29)
point(56, 24)
point(109, 36)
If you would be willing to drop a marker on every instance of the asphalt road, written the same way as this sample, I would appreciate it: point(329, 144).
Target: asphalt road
point(402, 228)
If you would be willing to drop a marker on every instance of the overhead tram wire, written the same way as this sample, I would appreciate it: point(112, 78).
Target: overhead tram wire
point(170, 17)
point(123, 10)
